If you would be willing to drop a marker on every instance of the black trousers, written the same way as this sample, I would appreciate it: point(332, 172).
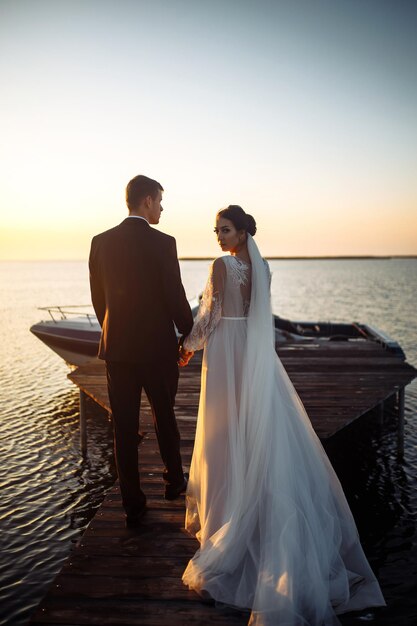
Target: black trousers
point(125, 382)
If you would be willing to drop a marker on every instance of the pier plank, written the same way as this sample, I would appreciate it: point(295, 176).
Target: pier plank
point(79, 611)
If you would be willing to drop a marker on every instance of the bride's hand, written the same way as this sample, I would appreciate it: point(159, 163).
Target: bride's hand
point(184, 357)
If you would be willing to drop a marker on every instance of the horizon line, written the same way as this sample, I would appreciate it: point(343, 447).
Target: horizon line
point(269, 257)
point(316, 257)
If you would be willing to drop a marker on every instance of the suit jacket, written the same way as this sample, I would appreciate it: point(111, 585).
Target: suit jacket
point(137, 293)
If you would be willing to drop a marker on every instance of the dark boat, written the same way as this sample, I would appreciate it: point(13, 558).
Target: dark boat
point(287, 330)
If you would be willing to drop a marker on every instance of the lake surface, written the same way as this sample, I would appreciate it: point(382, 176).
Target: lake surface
point(49, 492)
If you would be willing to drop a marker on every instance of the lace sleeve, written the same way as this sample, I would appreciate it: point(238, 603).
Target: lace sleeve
point(210, 310)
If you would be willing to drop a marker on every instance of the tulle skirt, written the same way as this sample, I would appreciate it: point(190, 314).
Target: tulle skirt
point(276, 534)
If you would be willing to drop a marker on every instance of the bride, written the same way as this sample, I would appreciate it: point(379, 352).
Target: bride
point(276, 534)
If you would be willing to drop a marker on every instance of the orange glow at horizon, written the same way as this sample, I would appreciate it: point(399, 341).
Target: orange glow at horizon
point(309, 236)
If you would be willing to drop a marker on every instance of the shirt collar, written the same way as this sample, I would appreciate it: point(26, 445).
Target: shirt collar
point(140, 217)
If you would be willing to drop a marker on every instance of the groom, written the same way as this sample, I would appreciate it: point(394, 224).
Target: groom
point(138, 295)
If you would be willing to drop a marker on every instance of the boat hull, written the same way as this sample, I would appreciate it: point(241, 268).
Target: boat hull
point(75, 346)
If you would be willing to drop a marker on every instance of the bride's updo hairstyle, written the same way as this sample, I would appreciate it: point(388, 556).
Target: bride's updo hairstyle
point(240, 219)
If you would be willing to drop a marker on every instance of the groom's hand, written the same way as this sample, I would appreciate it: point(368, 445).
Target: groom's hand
point(184, 357)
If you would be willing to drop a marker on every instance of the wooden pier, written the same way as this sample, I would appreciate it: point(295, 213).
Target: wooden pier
point(123, 576)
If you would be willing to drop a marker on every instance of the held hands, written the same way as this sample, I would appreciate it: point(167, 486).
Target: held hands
point(184, 357)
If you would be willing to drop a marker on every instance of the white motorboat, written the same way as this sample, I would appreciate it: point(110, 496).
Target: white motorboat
point(73, 332)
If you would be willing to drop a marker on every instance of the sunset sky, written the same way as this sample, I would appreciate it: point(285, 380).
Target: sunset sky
point(302, 111)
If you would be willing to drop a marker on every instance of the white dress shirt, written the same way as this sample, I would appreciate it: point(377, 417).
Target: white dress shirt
point(139, 217)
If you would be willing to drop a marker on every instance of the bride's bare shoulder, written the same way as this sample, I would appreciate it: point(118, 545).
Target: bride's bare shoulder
point(218, 267)
point(221, 261)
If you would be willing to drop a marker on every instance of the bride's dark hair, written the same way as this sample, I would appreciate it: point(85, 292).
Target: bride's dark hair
point(240, 219)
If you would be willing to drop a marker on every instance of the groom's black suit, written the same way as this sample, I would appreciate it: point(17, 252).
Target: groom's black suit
point(137, 295)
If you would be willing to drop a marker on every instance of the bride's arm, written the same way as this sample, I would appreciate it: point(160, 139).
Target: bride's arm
point(210, 310)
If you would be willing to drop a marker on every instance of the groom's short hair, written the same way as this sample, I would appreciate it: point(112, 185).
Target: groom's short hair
point(139, 188)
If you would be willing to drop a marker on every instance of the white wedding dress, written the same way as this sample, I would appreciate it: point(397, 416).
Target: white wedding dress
point(276, 534)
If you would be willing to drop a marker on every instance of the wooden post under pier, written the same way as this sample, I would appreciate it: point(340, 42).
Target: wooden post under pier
point(83, 422)
point(381, 407)
point(401, 421)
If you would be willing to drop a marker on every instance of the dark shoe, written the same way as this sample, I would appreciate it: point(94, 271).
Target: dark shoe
point(134, 519)
point(172, 492)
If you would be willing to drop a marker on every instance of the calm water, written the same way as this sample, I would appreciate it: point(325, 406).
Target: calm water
point(49, 493)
